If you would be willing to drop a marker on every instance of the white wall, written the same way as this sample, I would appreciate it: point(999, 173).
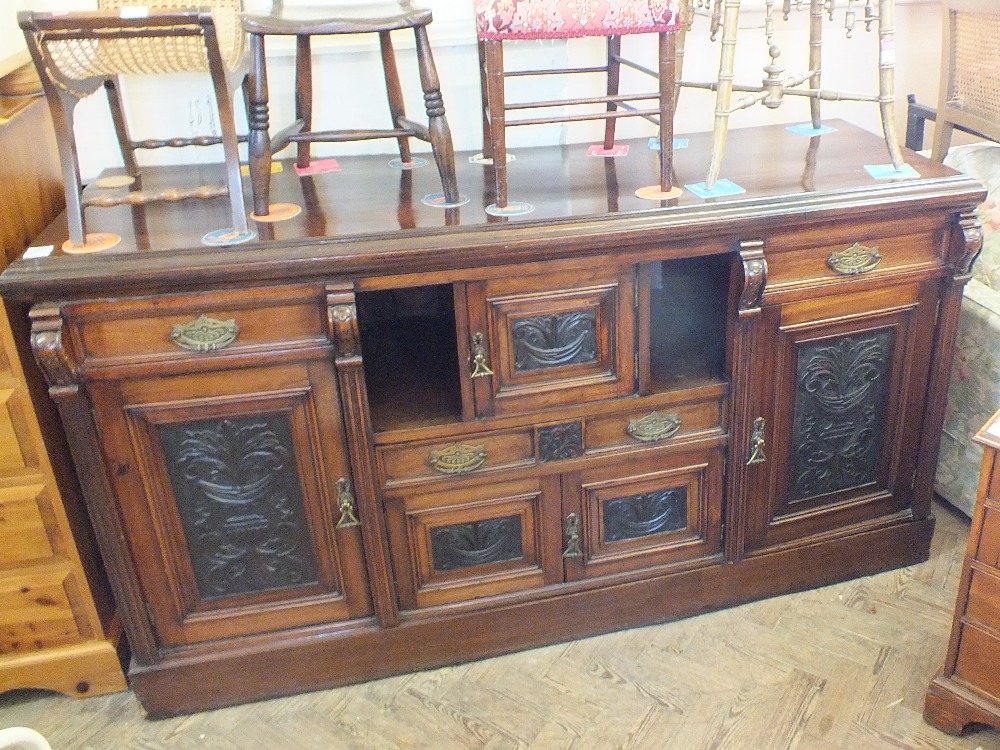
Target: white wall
point(349, 92)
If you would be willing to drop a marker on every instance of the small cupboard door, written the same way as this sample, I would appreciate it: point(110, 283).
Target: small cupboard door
point(452, 544)
point(661, 509)
point(228, 484)
point(846, 376)
point(543, 341)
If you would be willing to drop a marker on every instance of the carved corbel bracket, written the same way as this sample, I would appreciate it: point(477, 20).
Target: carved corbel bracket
point(342, 319)
point(972, 232)
point(47, 346)
point(754, 276)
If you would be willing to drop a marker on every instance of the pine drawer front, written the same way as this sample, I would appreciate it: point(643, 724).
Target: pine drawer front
point(23, 536)
point(36, 611)
point(466, 455)
point(199, 325)
point(458, 544)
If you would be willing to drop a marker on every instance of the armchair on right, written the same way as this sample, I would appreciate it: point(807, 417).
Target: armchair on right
point(970, 99)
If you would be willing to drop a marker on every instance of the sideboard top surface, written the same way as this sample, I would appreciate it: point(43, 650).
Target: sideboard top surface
point(368, 219)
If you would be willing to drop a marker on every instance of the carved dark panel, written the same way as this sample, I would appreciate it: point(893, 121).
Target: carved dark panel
point(464, 545)
point(841, 396)
point(555, 340)
point(642, 515)
point(559, 442)
point(240, 503)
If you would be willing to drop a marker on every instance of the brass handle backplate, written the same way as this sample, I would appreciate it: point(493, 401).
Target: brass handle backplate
point(459, 458)
point(757, 444)
point(654, 426)
point(346, 502)
point(205, 334)
point(480, 367)
point(855, 260)
point(573, 536)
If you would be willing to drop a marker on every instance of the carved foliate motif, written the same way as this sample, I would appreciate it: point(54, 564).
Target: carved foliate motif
point(343, 324)
point(240, 504)
point(636, 516)
point(972, 232)
point(842, 390)
point(554, 340)
point(465, 545)
point(560, 441)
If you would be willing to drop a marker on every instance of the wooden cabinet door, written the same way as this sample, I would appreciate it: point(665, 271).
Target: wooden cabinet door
point(453, 544)
point(227, 485)
point(843, 379)
point(563, 338)
point(663, 508)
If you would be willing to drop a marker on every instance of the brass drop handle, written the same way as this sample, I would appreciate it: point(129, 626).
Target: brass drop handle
point(856, 259)
point(757, 444)
point(480, 367)
point(653, 427)
point(573, 536)
point(205, 334)
point(458, 458)
point(346, 502)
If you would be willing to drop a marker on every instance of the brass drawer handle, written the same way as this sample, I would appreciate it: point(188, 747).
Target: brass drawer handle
point(460, 458)
point(856, 259)
point(654, 426)
point(757, 444)
point(205, 334)
point(346, 502)
point(480, 367)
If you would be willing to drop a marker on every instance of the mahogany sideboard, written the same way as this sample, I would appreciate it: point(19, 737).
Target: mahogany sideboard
point(386, 436)
point(967, 690)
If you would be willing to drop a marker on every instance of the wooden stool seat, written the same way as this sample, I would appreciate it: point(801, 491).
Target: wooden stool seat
point(305, 21)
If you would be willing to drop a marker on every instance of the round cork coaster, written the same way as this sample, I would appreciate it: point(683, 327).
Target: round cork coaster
point(278, 212)
point(94, 243)
point(653, 193)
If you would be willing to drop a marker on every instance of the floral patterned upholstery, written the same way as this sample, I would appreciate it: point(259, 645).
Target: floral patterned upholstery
point(553, 19)
point(974, 394)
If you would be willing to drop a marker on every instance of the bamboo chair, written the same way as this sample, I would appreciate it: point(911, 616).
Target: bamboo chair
point(77, 53)
point(500, 21)
point(970, 72)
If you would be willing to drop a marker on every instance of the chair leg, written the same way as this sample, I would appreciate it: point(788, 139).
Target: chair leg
point(493, 56)
point(667, 78)
point(815, 58)
point(437, 124)
point(614, 80)
point(230, 145)
point(886, 79)
point(61, 105)
point(724, 93)
point(258, 140)
point(303, 96)
point(394, 92)
point(121, 127)
point(484, 102)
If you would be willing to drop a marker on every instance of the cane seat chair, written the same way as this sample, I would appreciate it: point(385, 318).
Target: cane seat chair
point(499, 21)
point(304, 21)
point(970, 67)
point(77, 53)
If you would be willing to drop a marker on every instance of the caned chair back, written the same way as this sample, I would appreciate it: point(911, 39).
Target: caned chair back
point(555, 19)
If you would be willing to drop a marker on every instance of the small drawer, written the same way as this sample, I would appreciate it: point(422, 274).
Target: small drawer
point(466, 455)
point(35, 611)
point(651, 426)
point(988, 548)
point(23, 538)
point(849, 259)
point(199, 324)
point(978, 653)
point(984, 599)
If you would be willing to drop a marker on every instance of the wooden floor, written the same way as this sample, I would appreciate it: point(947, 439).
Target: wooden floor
point(844, 666)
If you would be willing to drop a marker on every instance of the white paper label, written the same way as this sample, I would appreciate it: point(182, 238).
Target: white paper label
point(39, 252)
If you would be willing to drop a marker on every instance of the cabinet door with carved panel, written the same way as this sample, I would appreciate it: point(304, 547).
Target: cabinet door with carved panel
point(543, 341)
point(228, 484)
point(662, 508)
point(845, 377)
